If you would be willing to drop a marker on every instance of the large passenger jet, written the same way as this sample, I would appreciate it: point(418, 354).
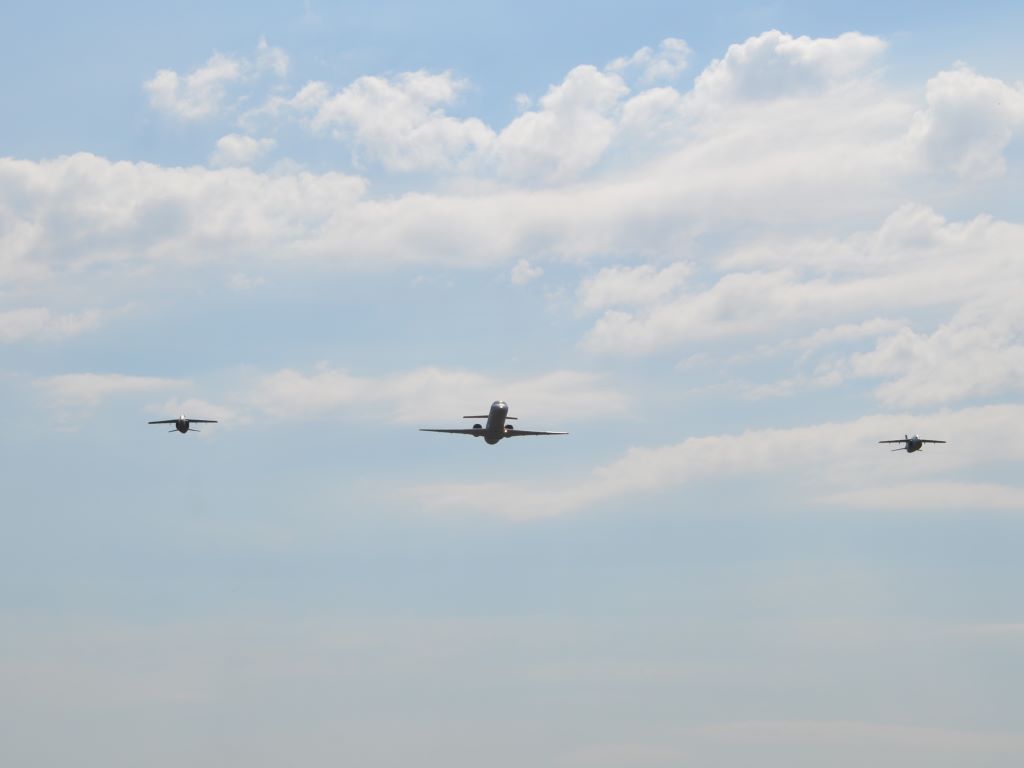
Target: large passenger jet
point(495, 428)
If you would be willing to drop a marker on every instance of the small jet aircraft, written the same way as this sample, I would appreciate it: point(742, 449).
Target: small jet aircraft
point(182, 424)
point(911, 443)
point(495, 428)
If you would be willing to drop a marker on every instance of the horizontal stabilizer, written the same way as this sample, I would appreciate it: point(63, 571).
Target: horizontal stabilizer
point(486, 415)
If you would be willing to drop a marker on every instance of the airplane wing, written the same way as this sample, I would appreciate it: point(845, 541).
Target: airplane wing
point(486, 416)
point(904, 440)
point(933, 441)
point(525, 432)
point(456, 431)
point(165, 421)
point(202, 421)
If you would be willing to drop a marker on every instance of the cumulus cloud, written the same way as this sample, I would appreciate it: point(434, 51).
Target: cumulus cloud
point(523, 272)
point(569, 132)
point(915, 262)
point(968, 122)
point(237, 149)
point(596, 170)
point(40, 323)
point(197, 95)
point(400, 122)
point(271, 59)
point(203, 92)
point(87, 212)
point(774, 64)
point(664, 63)
point(979, 352)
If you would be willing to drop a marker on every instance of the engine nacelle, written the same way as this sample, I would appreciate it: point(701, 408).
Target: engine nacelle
point(509, 427)
point(477, 426)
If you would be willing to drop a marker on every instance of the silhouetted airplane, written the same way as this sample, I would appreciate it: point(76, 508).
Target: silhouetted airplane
point(911, 444)
point(181, 424)
point(495, 427)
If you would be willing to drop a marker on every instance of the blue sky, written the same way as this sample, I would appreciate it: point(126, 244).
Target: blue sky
point(728, 249)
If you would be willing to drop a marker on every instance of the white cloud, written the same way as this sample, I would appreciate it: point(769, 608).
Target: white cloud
point(847, 332)
point(732, 172)
point(968, 122)
point(617, 286)
point(570, 131)
point(202, 93)
point(775, 64)
point(523, 272)
point(236, 149)
point(197, 95)
point(665, 63)
point(653, 119)
point(271, 59)
point(426, 394)
point(306, 101)
point(914, 263)
point(979, 352)
point(827, 461)
point(824, 378)
point(39, 323)
point(400, 122)
point(846, 465)
point(87, 212)
point(89, 389)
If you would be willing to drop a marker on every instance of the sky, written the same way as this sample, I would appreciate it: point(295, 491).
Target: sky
point(727, 247)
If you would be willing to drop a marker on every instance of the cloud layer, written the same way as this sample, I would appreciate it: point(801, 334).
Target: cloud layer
point(835, 463)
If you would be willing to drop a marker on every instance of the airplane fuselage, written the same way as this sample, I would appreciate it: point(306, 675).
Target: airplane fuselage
point(181, 424)
point(494, 429)
point(914, 444)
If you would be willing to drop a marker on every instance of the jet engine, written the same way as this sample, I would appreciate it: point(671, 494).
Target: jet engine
point(477, 426)
point(509, 427)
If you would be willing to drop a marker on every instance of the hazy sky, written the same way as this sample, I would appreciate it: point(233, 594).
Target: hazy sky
point(728, 247)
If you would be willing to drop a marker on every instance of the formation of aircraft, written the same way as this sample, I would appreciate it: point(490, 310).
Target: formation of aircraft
point(183, 424)
point(495, 428)
point(911, 443)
